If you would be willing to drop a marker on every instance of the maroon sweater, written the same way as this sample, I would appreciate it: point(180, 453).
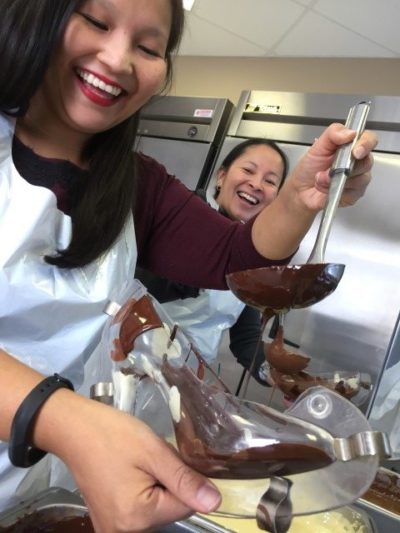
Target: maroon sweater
point(178, 235)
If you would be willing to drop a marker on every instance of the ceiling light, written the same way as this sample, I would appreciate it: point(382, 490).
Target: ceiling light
point(188, 4)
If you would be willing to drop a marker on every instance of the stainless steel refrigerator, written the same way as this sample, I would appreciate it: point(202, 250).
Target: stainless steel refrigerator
point(184, 134)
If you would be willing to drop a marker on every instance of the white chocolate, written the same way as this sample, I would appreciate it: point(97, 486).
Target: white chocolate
point(161, 344)
point(175, 403)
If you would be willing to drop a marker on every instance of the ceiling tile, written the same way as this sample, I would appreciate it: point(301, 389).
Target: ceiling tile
point(293, 28)
point(261, 22)
point(201, 38)
point(376, 20)
point(315, 36)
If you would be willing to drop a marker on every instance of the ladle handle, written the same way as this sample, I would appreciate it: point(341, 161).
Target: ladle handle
point(339, 172)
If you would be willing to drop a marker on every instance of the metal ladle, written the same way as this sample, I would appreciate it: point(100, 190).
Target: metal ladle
point(280, 288)
point(339, 172)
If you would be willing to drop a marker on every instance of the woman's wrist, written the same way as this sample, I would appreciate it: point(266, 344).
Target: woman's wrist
point(57, 424)
point(21, 450)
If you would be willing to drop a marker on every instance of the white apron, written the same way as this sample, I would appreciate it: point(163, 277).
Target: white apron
point(205, 318)
point(50, 319)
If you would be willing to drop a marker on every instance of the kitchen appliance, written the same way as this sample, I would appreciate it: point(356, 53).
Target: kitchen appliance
point(355, 328)
point(184, 134)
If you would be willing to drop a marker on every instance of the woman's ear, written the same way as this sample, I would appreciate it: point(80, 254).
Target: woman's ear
point(220, 178)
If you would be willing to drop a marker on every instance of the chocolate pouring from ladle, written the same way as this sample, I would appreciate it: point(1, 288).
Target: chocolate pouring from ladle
point(277, 289)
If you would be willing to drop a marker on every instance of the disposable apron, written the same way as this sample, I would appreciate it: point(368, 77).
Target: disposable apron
point(205, 318)
point(50, 319)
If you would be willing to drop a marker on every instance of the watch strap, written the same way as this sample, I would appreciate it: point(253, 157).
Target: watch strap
point(20, 450)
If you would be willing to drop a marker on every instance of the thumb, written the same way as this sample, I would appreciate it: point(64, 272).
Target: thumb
point(322, 181)
point(191, 488)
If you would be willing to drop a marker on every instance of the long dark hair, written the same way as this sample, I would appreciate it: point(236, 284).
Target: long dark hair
point(239, 150)
point(30, 31)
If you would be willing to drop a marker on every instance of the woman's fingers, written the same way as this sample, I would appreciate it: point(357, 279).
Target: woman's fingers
point(365, 144)
point(183, 483)
point(130, 478)
point(336, 135)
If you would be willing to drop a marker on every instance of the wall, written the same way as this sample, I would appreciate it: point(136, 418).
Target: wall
point(226, 77)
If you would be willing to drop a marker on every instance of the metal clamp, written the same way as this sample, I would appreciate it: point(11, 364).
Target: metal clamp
point(366, 443)
point(274, 510)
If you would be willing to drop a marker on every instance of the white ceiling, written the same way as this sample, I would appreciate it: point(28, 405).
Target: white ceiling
point(293, 28)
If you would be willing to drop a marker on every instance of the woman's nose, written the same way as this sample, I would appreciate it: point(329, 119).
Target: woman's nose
point(117, 54)
point(257, 182)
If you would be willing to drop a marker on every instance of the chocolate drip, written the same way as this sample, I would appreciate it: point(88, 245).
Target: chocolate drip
point(278, 289)
point(281, 359)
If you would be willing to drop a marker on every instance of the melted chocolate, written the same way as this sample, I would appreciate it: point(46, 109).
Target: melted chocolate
point(34, 523)
point(281, 359)
point(210, 435)
point(385, 491)
point(136, 316)
point(292, 385)
point(278, 289)
point(285, 287)
point(209, 439)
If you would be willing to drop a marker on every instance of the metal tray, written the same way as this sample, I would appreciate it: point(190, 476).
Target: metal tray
point(57, 503)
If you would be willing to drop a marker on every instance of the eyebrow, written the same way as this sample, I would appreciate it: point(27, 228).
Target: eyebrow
point(248, 161)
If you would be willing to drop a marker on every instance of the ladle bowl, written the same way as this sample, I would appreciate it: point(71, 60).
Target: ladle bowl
point(282, 288)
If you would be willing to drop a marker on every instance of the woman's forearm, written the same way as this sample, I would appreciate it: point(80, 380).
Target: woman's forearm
point(16, 381)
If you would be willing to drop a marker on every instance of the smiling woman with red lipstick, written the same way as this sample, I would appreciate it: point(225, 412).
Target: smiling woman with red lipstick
point(78, 210)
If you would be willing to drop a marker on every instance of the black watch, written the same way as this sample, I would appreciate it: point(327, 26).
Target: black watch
point(20, 450)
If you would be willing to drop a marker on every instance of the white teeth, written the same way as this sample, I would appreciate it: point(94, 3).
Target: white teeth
point(91, 79)
point(249, 198)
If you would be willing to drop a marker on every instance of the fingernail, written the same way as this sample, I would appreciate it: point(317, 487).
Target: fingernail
point(345, 132)
point(208, 497)
point(359, 152)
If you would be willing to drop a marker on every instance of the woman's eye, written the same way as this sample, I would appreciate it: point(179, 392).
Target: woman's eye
point(149, 51)
point(95, 22)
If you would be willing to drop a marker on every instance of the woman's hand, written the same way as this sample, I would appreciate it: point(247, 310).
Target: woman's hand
point(130, 479)
point(280, 227)
point(310, 178)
